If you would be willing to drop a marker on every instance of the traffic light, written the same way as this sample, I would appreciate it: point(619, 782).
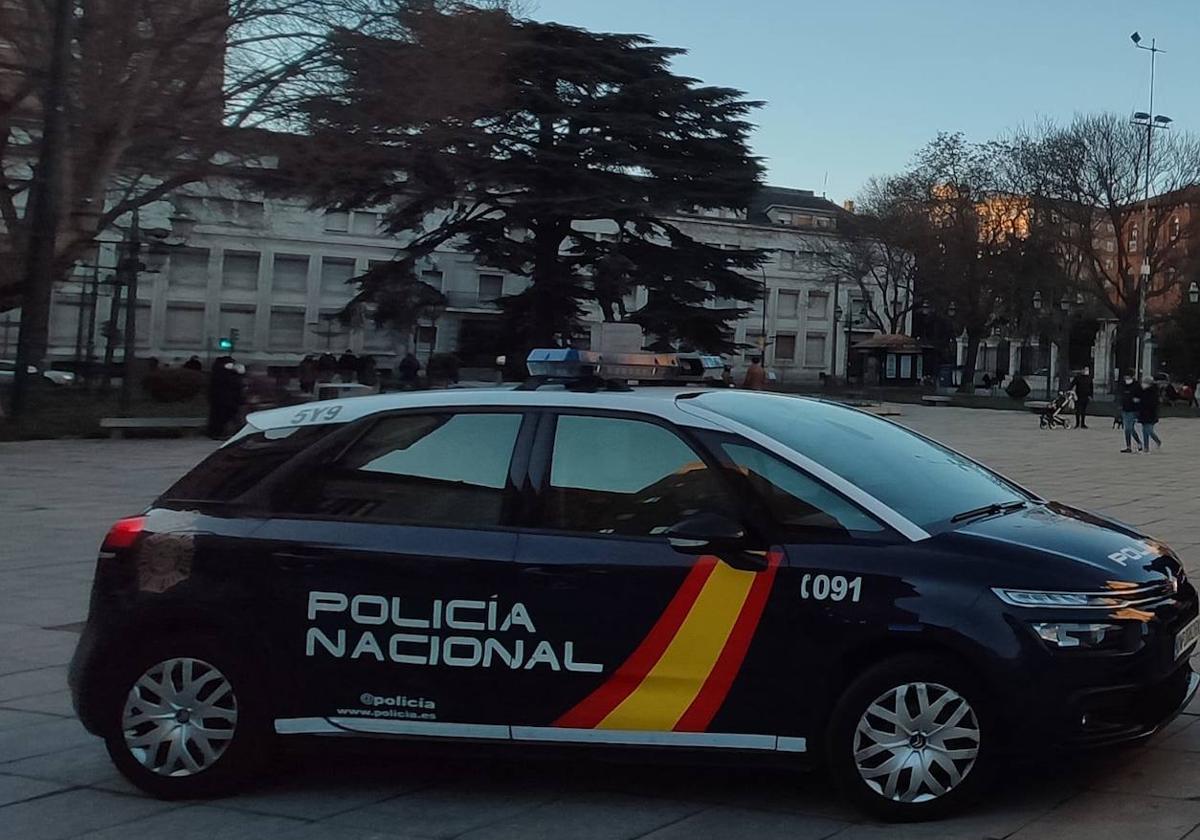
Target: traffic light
point(225, 344)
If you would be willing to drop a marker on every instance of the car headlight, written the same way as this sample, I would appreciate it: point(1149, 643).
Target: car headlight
point(1031, 598)
point(1081, 636)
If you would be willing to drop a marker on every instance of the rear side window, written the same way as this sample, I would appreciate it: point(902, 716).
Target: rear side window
point(238, 467)
point(429, 469)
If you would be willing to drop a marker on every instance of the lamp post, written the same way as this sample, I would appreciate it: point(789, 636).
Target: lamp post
point(1150, 121)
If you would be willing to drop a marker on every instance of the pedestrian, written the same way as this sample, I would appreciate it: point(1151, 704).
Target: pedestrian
point(1131, 397)
point(224, 395)
point(193, 364)
point(326, 366)
point(1083, 387)
point(1148, 414)
point(348, 366)
point(756, 375)
point(407, 371)
point(368, 374)
point(307, 374)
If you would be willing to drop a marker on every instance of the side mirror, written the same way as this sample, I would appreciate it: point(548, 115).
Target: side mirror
point(707, 532)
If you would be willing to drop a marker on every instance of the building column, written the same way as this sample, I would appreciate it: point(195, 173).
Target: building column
point(1147, 361)
point(961, 350)
point(1102, 367)
point(1014, 358)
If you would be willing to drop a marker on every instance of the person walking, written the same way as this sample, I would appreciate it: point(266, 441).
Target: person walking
point(1131, 397)
point(1148, 414)
point(756, 375)
point(1083, 387)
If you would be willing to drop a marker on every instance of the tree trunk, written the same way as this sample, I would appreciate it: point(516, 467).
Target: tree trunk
point(968, 374)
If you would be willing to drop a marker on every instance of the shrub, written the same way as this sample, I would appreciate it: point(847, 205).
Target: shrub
point(1018, 388)
point(170, 385)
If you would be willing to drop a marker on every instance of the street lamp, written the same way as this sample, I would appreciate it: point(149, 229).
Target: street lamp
point(1194, 292)
point(1150, 123)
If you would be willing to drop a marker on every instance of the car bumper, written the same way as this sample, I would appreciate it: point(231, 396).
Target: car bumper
point(1131, 713)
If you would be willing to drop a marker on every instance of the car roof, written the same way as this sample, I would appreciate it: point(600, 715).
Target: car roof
point(658, 401)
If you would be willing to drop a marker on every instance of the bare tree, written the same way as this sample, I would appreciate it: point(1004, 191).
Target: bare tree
point(1091, 178)
point(878, 254)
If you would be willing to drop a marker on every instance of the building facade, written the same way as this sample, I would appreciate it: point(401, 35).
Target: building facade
point(271, 275)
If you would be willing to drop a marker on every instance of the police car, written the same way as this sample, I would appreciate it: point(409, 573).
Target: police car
point(668, 568)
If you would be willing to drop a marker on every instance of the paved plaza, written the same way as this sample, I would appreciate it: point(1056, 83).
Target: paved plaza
point(58, 498)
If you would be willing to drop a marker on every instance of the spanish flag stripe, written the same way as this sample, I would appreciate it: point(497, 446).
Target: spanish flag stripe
point(597, 705)
point(661, 699)
point(715, 689)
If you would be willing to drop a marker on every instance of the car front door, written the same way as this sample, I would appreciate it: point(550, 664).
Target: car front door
point(641, 641)
point(385, 558)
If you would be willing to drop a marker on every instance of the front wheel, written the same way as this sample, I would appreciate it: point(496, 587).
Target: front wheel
point(911, 739)
point(186, 721)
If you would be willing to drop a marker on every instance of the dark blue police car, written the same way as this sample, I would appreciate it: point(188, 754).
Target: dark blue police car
point(667, 568)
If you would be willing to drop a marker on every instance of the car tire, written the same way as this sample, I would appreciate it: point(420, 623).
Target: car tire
point(942, 738)
point(186, 719)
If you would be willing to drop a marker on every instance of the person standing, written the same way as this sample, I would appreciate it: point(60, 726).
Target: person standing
point(756, 375)
point(224, 395)
point(407, 371)
point(193, 364)
point(1083, 387)
point(1148, 414)
point(307, 374)
point(348, 366)
point(1131, 397)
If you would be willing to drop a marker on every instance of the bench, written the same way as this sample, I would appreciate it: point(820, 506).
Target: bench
point(118, 426)
point(935, 399)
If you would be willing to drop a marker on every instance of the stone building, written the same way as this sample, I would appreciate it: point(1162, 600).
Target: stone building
point(271, 275)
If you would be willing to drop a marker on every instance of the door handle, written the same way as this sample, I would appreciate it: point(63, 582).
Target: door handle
point(299, 560)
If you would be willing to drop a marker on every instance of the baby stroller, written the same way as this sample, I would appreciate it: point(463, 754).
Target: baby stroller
point(1059, 414)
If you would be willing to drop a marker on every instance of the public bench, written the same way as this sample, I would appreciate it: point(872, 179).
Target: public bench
point(118, 426)
point(935, 399)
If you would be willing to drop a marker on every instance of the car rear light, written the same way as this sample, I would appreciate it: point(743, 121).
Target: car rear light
point(122, 534)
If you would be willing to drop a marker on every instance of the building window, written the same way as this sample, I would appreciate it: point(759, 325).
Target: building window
point(789, 305)
point(64, 322)
point(188, 268)
point(491, 286)
point(818, 305)
point(337, 221)
point(335, 276)
point(364, 224)
point(237, 322)
point(814, 349)
point(286, 330)
point(433, 277)
point(426, 336)
point(184, 326)
point(290, 274)
point(785, 348)
point(1174, 227)
point(240, 270)
point(755, 340)
point(1133, 239)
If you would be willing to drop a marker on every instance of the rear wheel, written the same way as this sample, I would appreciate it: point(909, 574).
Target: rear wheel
point(911, 739)
point(186, 721)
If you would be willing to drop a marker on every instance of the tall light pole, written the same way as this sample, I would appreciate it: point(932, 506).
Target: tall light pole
point(1150, 121)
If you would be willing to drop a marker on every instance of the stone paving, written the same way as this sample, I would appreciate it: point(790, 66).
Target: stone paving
point(57, 499)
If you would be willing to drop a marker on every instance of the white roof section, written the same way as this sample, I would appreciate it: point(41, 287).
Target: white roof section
point(654, 401)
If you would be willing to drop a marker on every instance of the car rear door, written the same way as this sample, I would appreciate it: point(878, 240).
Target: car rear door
point(385, 559)
point(643, 643)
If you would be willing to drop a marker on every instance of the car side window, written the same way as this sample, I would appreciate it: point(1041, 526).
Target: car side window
point(418, 469)
point(625, 477)
point(795, 499)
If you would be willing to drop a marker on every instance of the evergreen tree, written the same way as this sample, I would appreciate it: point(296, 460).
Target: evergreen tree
point(499, 135)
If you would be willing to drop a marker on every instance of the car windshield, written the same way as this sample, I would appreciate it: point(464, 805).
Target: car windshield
point(923, 482)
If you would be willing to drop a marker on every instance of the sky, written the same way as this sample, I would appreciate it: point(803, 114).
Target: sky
point(854, 87)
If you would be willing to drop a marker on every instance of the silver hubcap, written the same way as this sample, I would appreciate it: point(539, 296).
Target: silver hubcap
point(179, 717)
point(916, 742)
